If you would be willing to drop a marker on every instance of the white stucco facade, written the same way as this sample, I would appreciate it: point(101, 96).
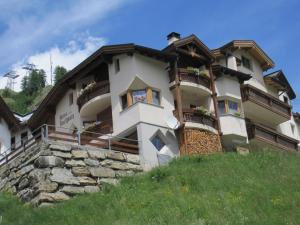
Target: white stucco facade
point(5, 136)
point(139, 72)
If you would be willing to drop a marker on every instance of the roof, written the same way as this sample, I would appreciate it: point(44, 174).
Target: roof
point(219, 70)
point(278, 79)
point(23, 118)
point(187, 40)
point(8, 115)
point(104, 54)
point(254, 49)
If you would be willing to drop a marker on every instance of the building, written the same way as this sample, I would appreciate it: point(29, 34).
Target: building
point(183, 99)
point(13, 129)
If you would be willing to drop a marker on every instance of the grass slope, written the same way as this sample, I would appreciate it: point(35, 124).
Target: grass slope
point(261, 188)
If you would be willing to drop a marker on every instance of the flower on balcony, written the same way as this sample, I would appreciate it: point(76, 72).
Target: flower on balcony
point(203, 110)
point(87, 89)
point(198, 72)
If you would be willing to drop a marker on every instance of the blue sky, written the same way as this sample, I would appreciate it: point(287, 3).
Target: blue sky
point(70, 30)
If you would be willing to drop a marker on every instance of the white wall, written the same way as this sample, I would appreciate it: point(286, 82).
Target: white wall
point(231, 124)
point(149, 154)
point(5, 135)
point(67, 116)
point(147, 118)
point(151, 72)
point(228, 86)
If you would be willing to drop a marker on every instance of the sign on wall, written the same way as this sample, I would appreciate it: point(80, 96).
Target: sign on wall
point(65, 118)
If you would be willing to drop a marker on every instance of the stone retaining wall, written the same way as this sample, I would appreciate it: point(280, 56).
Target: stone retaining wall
point(52, 172)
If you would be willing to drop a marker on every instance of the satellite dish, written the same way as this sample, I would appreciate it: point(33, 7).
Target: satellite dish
point(172, 122)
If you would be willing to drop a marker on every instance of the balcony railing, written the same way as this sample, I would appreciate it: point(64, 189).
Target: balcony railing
point(270, 136)
point(196, 116)
point(188, 76)
point(265, 100)
point(97, 90)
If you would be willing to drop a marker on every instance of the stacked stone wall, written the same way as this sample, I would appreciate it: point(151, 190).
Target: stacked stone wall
point(52, 172)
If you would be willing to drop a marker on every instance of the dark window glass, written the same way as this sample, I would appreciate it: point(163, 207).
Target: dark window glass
point(24, 137)
point(155, 97)
point(246, 63)
point(71, 99)
point(13, 143)
point(139, 96)
point(158, 142)
point(233, 107)
point(221, 105)
point(117, 65)
point(124, 101)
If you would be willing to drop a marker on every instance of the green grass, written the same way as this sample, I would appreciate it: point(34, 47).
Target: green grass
point(261, 188)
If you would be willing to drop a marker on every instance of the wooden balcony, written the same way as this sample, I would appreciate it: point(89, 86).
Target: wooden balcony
point(272, 103)
point(98, 89)
point(195, 116)
point(260, 104)
point(192, 77)
point(262, 133)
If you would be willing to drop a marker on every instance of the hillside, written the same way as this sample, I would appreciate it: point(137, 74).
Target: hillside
point(20, 103)
point(261, 188)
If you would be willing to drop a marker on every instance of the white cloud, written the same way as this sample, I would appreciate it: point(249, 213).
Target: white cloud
point(31, 25)
point(69, 57)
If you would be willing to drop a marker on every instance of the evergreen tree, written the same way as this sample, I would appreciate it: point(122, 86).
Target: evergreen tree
point(59, 72)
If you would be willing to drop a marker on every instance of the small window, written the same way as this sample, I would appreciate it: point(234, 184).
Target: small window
point(285, 99)
point(158, 142)
point(233, 107)
point(117, 65)
point(124, 101)
point(246, 63)
point(13, 143)
point(24, 137)
point(71, 99)
point(155, 97)
point(139, 96)
point(221, 105)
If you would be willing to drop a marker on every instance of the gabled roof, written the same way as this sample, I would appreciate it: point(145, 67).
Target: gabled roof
point(278, 79)
point(8, 115)
point(253, 48)
point(219, 71)
point(188, 40)
point(104, 54)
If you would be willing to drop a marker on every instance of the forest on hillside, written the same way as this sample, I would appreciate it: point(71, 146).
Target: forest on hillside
point(33, 90)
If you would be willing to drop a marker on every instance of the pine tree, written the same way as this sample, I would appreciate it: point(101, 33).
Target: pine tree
point(59, 72)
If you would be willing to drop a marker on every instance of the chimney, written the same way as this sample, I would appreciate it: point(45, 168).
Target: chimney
point(172, 37)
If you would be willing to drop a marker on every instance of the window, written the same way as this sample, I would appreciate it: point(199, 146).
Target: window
point(71, 99)
point(124, 101)
point(233, 107)
point(221, 105)
point(155, 97)
point(144, 95)
point(158, 142)
point(139, 96)
point(13, 143)
point(246, 63)
point(117, 65)
point(285, 99)
point(228, 106)
point(24, 137)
